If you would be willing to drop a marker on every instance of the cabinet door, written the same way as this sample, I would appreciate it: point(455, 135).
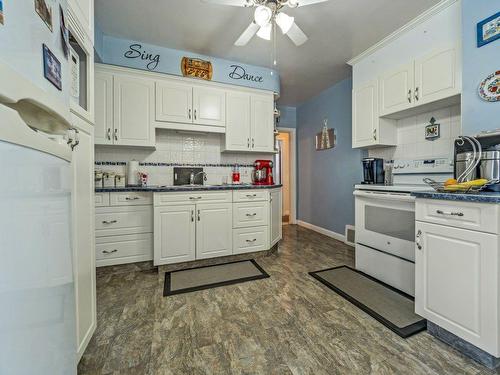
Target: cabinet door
point(396, 88)
point(237, 121)
point(174, 102)
point(365, 114)
point(209, 106)
point(456, 287)
point(83, 10)
point(436, 76)
point(262, 123)
point(276, 216)
point(214, 231)
point(133, 110)
point(83, 238)
point(174, 234)
point(103, 95)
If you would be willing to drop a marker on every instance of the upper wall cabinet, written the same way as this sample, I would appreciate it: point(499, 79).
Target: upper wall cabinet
point(184, 103)
point(83, 11)
point(124, 109)
point(396, 89)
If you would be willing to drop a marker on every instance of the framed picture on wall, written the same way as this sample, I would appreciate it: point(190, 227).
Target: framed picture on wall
point(488, 30)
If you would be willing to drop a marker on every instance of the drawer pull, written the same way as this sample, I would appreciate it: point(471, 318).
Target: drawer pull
point(109, 252)
point(194, 198)
point(450, 213)
point(110, 221)
point(252, 215)
point(251, 195)
point(132, 198)
point(417, 240)
point(251, 241)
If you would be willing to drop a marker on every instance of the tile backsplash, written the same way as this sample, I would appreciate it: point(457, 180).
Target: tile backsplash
point(178, 149)
point(411, 136)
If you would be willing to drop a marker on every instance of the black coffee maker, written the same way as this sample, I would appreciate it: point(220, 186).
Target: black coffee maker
point(373, 171)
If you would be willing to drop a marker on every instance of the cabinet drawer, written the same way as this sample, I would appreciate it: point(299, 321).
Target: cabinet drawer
point(101, 199)
point(474, 216)
point(162, 199)
point(113, 221)
point(250, 195)
point(136, 198)
point(250, 214)
point(246, 240)
point(124, 249)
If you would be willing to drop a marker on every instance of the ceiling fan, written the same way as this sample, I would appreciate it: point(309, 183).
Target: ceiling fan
point(269, 13)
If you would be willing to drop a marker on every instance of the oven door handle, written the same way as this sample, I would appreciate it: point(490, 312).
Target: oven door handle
point(397, 197)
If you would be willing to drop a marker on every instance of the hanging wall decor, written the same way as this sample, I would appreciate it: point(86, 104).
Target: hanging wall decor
point(196, 68)
point(1, 12)
point(489, 88)
point(488, 30)
point(325, 139)
point(44, 10)
point(432, 131)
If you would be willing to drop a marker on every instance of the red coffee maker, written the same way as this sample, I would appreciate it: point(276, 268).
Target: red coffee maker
point(263, 172)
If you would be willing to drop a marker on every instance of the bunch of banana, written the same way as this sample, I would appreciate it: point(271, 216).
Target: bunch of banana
point(453, 185)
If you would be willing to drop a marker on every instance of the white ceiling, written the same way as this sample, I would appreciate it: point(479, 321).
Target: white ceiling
point(338, 30)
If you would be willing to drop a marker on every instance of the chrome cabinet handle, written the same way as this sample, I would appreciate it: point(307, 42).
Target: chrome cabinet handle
point(252, 215)
point(409, 96)
point(189, 113)
point(248, 142)
point(255, 239)
point(110, 222)
point(192, 215)
point(195, 114)
point(199, 217)
point(109, 134)
point(450, 213)
point(109, 252)
point(251, 195)
point(116, 134)
point(132, 198)
point(253, 142)
point(417, 240)
point(194, 198)
point(374, 134)
point(416, 94)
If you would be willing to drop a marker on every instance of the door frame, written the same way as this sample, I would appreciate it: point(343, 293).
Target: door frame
point(292, 132)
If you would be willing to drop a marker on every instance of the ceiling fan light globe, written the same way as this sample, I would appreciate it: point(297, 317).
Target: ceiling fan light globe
point(285, 22)
point(262, 15)
point(265, 32)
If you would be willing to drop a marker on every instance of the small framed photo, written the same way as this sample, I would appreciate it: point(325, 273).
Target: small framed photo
point(432, 130)
point(488, 30)
point(52, 68)
point(45, 12)
point(1, 12)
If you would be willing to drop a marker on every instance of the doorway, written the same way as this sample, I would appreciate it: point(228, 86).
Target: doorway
point(285, 171)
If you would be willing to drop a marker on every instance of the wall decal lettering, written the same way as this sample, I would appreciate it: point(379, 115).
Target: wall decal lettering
point(239, 72)
point(135, 52)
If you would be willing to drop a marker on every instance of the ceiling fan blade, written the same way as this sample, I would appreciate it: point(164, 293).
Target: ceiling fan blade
point(301, 3)
point(236, 3)
point(247, 34)
point(297, 35)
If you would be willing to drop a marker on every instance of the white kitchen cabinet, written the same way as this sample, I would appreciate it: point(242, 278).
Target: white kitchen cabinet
point(237, 121)
point(396, 89)
point(174, 101)
point(368, 129)
point(276, 216)
point(128, 248)
point(214, 235)
point(103, 128)
point(133, 109)
point(262, 123)
point(83, 234)
point(209, 106)
point(247, 240)
point(456, 274)
point(250, 214)
point(437, 76)
point(83, 11)
point(174, 234)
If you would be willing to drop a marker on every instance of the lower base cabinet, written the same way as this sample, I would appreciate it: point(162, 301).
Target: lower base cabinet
point(248, 240)
point(123, 249)
point(276, 216)
point(214, 230)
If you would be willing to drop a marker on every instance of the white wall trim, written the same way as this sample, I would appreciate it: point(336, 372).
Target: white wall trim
point(326, 232)
point(439, 7)
point(293, 168)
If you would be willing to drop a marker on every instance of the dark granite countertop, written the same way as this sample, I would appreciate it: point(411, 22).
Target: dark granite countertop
point(479, 197)
point(159, 189)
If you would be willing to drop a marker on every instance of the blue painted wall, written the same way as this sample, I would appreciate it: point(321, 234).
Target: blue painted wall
point(326, 178)
point(478, 63)
point(288, 117)
point(112, 51)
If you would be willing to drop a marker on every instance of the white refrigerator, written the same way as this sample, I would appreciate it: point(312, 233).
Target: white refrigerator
point(37, 301)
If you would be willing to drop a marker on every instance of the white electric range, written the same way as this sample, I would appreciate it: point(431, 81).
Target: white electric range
point(385, 221)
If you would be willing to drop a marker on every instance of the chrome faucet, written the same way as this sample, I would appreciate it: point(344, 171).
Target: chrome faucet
point(193, 176)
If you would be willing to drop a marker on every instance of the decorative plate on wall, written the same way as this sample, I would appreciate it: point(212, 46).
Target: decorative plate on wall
point(489, 89)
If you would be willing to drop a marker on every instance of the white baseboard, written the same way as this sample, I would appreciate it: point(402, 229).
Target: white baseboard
point(321, 230)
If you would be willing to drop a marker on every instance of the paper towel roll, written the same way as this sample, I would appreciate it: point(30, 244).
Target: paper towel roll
point(133, 173)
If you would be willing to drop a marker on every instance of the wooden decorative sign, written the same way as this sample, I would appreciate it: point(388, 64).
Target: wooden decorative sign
point(196, 68)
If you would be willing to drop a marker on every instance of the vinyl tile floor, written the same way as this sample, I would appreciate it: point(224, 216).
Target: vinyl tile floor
point(286, 324)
